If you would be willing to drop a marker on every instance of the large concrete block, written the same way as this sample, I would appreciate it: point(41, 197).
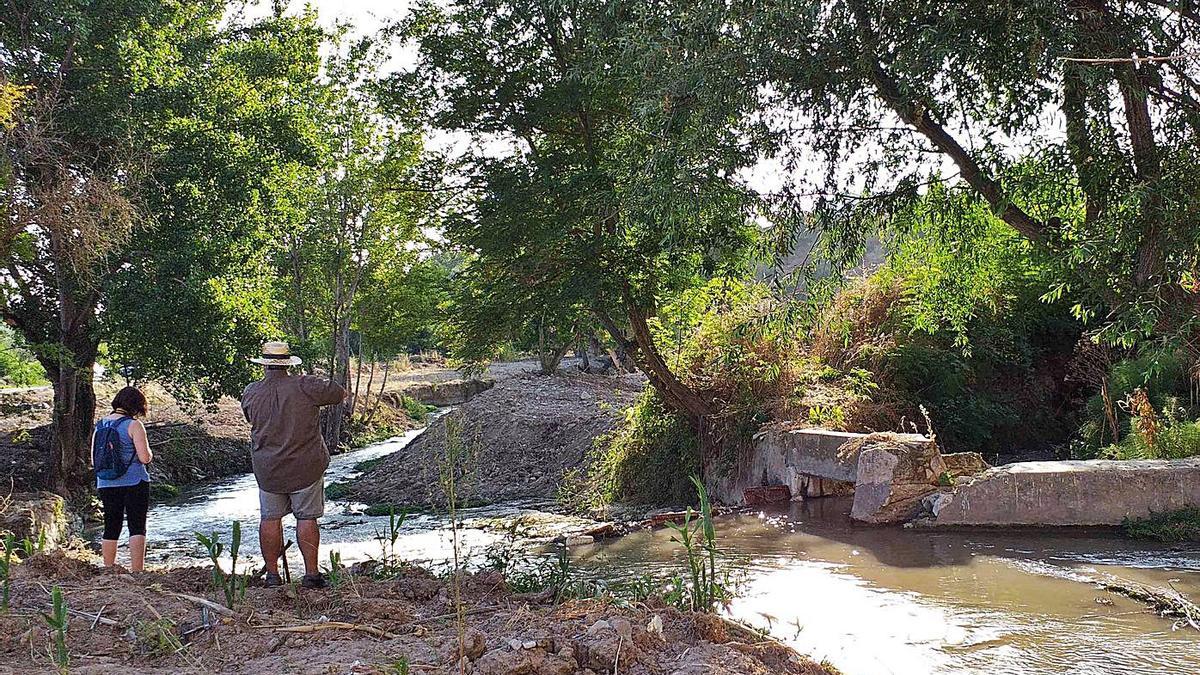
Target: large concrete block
point(895, 472)
point(1093, 492)
point(810, 462)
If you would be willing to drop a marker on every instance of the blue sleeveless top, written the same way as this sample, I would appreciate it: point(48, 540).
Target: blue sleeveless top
point(137, 471)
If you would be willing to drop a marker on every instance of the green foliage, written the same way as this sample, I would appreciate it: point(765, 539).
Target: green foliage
point(368, 464)
point(231, 585)
point(1171, 526)
point(337, 491)
point(1109, 203)
point(159, 637)
point(389, 562)
point(955, 321)
point(59, 620)
point(645, 460)
point(10, 545)
point(698, 536)
point(1175, 436)
point(345, 257)
point(161, 491)
point(402, 305)
point(1164, 375)
point(622, 183)
point(415, 409)
point(336, 572)
point(18, 366)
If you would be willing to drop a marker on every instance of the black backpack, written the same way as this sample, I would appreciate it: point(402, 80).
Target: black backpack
point(106, 450)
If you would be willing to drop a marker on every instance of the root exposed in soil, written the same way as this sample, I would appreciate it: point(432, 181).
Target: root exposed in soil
point(119, 621)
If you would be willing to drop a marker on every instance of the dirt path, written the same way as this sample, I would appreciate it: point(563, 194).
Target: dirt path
point(402, 625)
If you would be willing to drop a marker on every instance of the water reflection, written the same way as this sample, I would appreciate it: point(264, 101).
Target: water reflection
point(871, 600)
point(888, 600)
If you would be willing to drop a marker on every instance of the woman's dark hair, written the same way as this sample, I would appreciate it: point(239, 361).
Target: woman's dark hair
point(131, 401)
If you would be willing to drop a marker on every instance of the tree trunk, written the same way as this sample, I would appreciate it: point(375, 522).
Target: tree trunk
point(341, 369)
point(622, 355)
point(678, 395)
point(550, 354)
point(387, 366)
point(71, 422)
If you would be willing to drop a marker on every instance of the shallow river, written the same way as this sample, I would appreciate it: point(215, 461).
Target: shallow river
point(870, 600)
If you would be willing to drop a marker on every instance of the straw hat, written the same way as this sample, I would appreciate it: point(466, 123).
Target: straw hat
point(276, 354)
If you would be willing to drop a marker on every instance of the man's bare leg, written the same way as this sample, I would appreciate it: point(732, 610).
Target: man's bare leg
point(270, 541)
point(309, 534)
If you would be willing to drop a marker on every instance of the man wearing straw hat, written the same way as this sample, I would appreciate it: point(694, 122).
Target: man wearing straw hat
point(289, 456)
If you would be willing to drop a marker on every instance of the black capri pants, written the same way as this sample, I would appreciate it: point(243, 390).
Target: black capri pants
point(130, 502)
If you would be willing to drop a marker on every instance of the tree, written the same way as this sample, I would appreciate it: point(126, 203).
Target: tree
point(355, 217)
point(1075, 123)
point(137, 164)
point(621, 185)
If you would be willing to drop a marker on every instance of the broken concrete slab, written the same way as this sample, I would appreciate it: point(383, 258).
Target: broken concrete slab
point(1082, 492)
point(441, 394)
point(804, 460)
point(808, 462)
point(895, 472)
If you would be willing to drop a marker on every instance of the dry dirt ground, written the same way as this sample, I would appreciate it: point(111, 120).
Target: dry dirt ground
point(516, 440)
point(363, 626)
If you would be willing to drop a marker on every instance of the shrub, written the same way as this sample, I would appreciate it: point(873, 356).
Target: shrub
point(18, 367)
point(1165, 380)
point(1171, 526)
point(1169, 435)
point(645, 460)
point(415, 409)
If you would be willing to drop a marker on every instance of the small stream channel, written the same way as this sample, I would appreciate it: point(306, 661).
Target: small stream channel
point(870, 600)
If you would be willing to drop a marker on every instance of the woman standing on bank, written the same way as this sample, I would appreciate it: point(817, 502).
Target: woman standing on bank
point(126, 497)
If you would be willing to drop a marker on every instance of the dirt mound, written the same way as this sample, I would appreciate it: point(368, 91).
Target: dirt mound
point(145, 622)
point(520, 437)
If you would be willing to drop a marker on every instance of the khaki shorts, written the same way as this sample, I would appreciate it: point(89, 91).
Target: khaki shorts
point(306, 504)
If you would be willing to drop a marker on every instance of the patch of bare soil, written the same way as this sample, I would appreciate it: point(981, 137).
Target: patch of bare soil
point(190, 443)
point(520, 437)
point(145, 622)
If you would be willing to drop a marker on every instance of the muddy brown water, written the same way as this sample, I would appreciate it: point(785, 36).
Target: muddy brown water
point(870, 600)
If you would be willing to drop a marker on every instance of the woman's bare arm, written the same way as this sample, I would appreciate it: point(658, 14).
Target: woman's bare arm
point(137, 432)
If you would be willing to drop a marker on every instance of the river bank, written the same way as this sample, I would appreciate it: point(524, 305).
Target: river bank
point(516, 440)
point(364, 625)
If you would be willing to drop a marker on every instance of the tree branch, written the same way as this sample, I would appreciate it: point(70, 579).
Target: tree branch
point(917, 115)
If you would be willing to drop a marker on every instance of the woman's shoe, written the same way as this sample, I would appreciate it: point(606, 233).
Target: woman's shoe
point(272, 580)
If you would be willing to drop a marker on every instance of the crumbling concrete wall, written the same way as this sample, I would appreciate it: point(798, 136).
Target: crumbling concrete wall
point(810, 462)
point(895, 472)
point(1092, 492)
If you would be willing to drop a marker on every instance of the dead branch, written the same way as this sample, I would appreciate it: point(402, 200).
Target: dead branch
point(219, 609)
point(332, 625)
point(1166, 602)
